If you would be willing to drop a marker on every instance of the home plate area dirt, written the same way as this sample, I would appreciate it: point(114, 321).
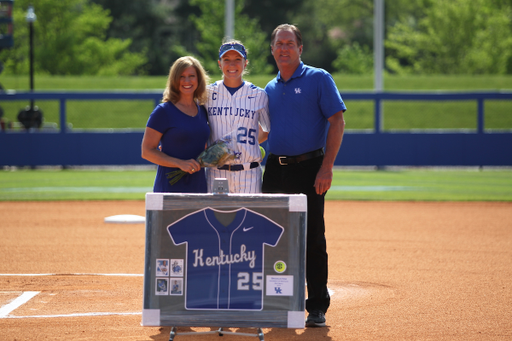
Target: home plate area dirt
point(397, 271)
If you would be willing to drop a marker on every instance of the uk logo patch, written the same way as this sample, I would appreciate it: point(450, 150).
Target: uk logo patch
point(298, 90)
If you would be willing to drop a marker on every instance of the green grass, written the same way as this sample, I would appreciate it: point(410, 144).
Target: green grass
point(382, 185)
point(44, 185)
point(423, 185)
point(408, 83)
point(84, 82)
point(344, 82)
point(398, 115)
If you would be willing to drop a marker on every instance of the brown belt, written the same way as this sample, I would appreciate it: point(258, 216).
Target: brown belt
point(288, 160)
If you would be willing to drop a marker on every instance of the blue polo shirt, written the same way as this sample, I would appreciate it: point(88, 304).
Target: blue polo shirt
point(299, 110)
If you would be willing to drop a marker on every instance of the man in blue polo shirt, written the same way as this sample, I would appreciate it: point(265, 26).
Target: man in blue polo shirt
point(306, 115)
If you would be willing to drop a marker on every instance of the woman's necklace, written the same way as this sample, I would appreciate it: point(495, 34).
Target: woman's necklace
point(188, 109)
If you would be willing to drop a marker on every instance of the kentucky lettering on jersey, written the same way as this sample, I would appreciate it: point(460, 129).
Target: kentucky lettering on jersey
point(230, 111)
point(224, 264)
point(223, 259)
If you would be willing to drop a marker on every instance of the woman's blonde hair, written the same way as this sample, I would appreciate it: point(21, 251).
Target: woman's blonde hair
point(172, 89)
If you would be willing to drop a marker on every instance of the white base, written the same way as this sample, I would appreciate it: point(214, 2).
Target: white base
point(125, 219)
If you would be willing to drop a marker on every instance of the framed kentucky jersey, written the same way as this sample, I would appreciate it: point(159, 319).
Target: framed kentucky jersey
point(225, 260)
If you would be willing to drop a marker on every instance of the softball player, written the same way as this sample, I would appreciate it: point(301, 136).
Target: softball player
point(239, 108)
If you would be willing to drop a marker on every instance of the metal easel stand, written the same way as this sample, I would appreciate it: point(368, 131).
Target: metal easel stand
point(221, 332)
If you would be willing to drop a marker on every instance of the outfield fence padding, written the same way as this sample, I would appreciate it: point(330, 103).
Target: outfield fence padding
point(378, 147)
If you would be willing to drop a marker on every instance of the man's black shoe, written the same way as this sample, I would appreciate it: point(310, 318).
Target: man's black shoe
point(316, 318)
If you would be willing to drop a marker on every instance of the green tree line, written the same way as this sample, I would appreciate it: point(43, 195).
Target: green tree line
point(144, 37)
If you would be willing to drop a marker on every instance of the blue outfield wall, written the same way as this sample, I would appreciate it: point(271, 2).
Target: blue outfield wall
point(385, 149)
point(377, 148)
point(71, 149)
point(425, 149)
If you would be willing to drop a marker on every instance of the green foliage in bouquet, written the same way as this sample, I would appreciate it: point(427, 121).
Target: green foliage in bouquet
point(215, 155)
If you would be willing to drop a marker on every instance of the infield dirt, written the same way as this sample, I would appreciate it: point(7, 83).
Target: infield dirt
point(397, 271)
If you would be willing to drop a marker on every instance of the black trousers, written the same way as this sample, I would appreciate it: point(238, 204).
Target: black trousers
point(296, 179)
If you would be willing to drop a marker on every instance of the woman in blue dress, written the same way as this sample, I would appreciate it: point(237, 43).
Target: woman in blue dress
point(177, 130)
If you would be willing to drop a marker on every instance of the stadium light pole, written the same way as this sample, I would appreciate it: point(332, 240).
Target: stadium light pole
point(378, 59)
point(378, 43)
point(229, 22)
point(31, 116)
point(31, 18)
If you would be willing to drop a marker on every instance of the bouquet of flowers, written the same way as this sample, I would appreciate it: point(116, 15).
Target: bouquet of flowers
point(215, 155)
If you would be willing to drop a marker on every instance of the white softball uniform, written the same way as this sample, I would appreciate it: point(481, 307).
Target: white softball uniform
point(239, 114)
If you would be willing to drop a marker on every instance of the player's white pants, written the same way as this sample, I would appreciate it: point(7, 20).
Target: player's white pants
point(244, 181)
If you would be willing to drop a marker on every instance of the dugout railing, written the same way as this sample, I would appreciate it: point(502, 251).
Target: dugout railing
point(377, 147)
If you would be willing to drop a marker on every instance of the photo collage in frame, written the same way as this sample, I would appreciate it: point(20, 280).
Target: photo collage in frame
point(169, 277)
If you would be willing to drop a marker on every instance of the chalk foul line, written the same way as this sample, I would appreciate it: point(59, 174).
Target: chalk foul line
point(75, 274)
point(70, 315)
point(28, 295)
point(17, 302)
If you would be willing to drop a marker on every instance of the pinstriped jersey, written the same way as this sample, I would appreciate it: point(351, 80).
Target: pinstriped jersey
point(240, 115)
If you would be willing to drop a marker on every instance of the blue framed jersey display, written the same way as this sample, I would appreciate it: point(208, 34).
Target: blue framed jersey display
point(225, 260)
